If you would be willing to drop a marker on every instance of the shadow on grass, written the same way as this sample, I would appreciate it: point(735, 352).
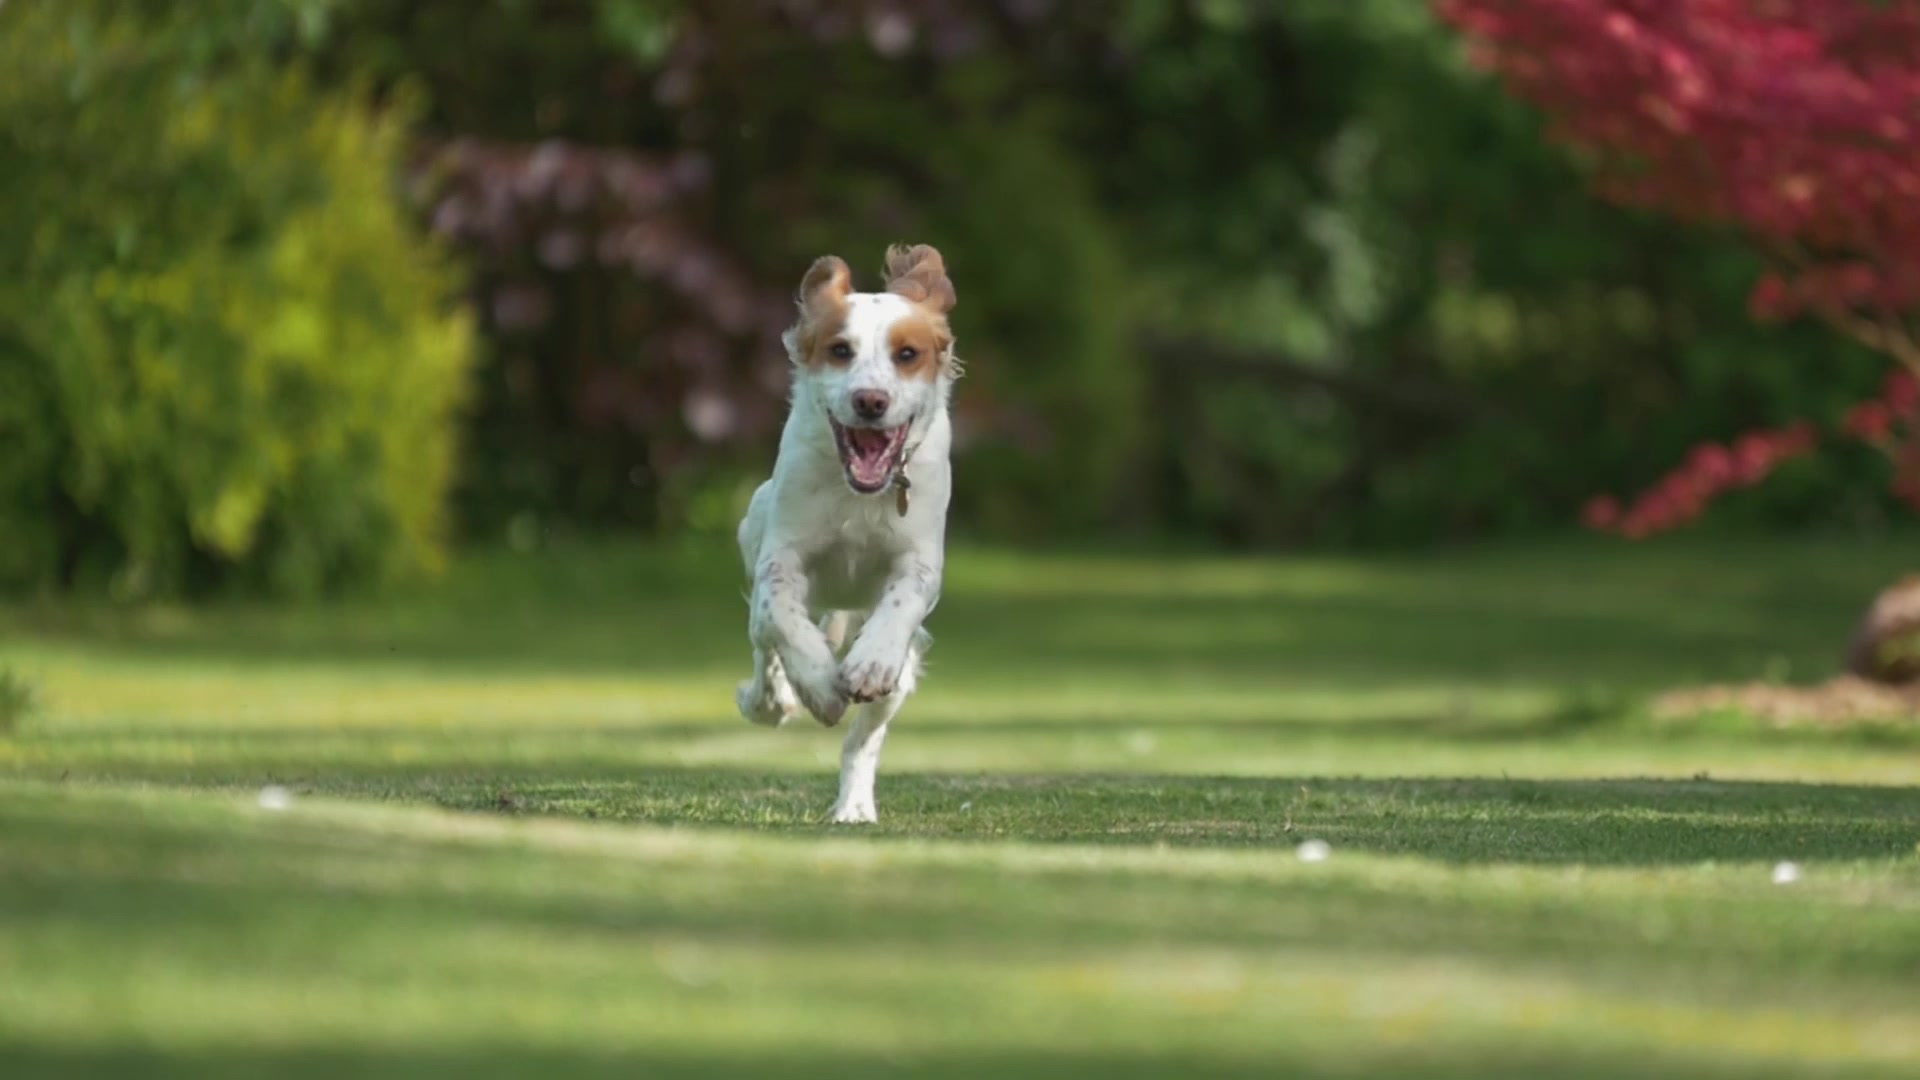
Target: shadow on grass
point(220, 903)
point(1575, 822)
point(1598, 822)
point(1484, 1059)
point(1362, 641)
point(293, 745)
point(1637, 618)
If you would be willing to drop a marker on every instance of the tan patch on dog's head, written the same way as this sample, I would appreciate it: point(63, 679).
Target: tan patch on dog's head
point(823, 313)
point(918, 344)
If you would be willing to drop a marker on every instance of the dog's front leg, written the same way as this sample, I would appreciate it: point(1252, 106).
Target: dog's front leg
point(879, 654)
point(779, 623)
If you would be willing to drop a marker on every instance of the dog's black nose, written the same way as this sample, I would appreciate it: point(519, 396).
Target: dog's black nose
point(871, 404)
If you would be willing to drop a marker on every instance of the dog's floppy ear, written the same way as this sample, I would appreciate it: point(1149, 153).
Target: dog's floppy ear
point(822, 300)
point(919, 274)
point(825, 287)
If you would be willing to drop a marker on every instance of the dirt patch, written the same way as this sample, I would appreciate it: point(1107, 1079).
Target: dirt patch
point(1841, 702)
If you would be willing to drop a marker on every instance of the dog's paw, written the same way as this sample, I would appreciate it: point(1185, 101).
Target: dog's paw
point(870, 674)
point(812, 680)
point(854, 812)
point(829, 710)
point(868, 680)
point(822, 697)
point(761, 704)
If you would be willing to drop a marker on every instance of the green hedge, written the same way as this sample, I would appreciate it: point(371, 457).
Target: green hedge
point(227, 355)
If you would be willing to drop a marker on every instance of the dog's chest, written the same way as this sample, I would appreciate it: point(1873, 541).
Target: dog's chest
point(859, 543)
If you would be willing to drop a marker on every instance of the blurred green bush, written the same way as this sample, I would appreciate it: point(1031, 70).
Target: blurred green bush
point(227, 355)
point(1241, 272)
point(1229, 271)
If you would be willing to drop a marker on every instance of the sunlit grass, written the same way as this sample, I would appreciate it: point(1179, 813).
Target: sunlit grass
point(529, 836)
point(17, 699)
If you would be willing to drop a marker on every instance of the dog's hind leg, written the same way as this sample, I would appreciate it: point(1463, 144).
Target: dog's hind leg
point(768, 697)
point(839, 627)
point(860, 754)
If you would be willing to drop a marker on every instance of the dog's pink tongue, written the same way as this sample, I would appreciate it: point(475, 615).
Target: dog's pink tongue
point(869, 457)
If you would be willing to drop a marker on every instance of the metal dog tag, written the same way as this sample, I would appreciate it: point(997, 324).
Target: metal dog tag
point(900, 486)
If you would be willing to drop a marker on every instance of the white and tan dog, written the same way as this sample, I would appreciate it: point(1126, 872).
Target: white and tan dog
point(846, 543)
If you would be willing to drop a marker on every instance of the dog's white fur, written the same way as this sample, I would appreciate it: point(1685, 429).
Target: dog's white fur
point(841, 580)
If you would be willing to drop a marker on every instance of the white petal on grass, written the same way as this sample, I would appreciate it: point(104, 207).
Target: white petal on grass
point(1314, 851)
point(275, 797)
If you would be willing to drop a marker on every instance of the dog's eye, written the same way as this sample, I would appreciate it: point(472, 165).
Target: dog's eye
point(906, 355)
point(840, 350)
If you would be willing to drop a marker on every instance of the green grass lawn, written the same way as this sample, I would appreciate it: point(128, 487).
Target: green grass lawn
point(529, 837)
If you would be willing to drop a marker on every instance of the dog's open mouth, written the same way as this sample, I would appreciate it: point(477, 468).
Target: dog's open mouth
point(871, 455)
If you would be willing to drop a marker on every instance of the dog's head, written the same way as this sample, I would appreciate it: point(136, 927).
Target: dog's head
point(878, 365)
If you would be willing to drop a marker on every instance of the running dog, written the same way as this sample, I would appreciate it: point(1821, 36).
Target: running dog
point(845, 544)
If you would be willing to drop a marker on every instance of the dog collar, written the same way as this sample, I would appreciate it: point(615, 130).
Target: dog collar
point(902, 484)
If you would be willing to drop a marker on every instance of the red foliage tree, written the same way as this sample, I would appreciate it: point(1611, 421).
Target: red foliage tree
point(1795, 121)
